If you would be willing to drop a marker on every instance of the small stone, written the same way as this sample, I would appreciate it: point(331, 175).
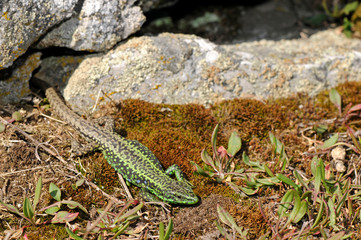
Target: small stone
point(338, 153)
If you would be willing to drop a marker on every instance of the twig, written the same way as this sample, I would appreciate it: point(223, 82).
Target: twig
point(164, 205)
point(97, 101)
point(126, 189)
point(20, 171)
point(57, 120)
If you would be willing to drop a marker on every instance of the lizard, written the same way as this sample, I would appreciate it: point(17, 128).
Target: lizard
point(134, 161)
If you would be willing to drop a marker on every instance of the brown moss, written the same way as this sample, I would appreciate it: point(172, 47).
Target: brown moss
point(83, 195)
point(206, 186)
point(250, 117)
point(47, 231)
point(100, 172)
point(134, 112)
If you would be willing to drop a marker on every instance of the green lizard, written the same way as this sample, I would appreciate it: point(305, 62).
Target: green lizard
point(134, 161)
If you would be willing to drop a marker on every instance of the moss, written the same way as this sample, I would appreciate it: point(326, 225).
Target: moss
point(175, 133)
point(47, 231)
point(246, 214)
point(83, 195)
point(250, 117)
point(101, 173)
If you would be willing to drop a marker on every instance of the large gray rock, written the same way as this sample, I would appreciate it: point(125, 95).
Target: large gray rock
point(178, 69)
point(92, 25)
point(99, 25)
point(16, 85)
point(22, 22)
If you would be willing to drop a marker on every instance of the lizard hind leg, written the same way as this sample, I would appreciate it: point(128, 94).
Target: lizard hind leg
point(148, 196)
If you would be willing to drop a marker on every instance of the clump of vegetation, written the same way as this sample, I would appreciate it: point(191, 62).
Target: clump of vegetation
point(32, 214)
point(116, 223)
point(325, 204)
point(350, 14)
point(222, 166)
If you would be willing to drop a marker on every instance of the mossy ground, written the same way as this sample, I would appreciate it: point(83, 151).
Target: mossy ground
point(176, 134)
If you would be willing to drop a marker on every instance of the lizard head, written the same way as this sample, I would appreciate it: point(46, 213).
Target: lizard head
point(179, 192)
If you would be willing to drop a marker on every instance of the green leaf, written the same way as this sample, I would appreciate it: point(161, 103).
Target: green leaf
point(17, 116)
point(329, 142)
point(52, 210)
point(161, 231)
point(319, 215)
point(121, 229)
point(341, 203)
point(225, 217)
point(300, 179)
point(28, 209)
point(10, 208)
point(277, 144)
point(314, 165)
point(320, 128)
point(350, 7)
point(296, 208)
point(256, 165)
point(234, 144)
point(2, 127)
point(73, 235)
point(318, 181)
point(214, 139)
point(37, 192)
point(268, 181)
point(335, 98)
point(221, 229)
point(268, 171)
point(73, 204)
point(332, 216)
point(64, 216)
point(299, 210)
point(199, 170)
point(285, 202)
point(55, 192)
point(206, 158)
point(169, 230)
point(130, 212)
point(288, 181)
point(249, 191)
point(79, 182)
